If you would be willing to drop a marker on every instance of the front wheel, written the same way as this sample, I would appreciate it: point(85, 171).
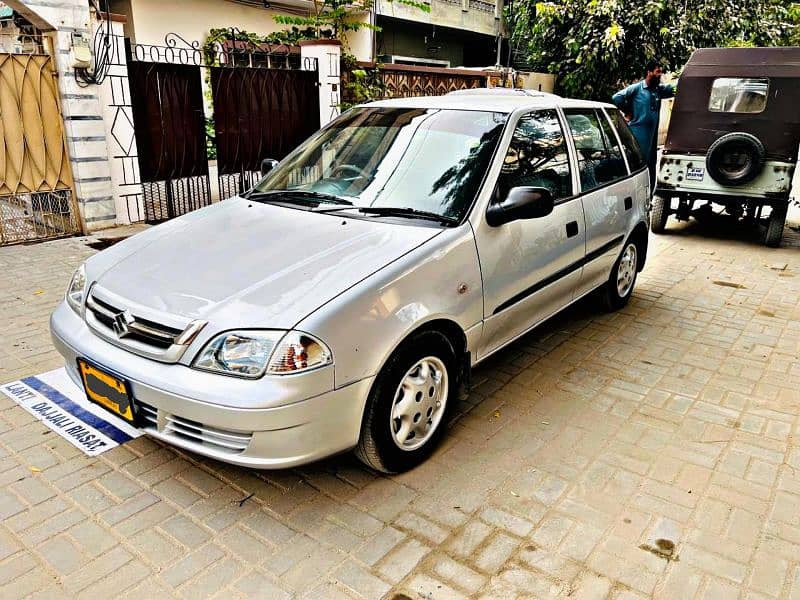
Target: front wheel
point(619, 287)
point(407, 408)
point(659, 214)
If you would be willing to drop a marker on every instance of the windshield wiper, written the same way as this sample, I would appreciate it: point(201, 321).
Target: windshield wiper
point(398, 211)
point(283, 195)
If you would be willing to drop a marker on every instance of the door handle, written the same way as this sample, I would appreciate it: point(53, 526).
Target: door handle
point(628, 203)
point(572, 229)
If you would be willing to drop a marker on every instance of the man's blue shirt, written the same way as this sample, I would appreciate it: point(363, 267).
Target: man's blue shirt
point(644, 105)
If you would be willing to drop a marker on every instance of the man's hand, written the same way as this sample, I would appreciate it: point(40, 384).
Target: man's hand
point(628, 117)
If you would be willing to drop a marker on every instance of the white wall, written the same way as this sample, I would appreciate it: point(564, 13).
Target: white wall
point(115, 97)
point(192, 20)
point(359, 43)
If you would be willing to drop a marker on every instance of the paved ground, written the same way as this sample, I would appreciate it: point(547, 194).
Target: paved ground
point(654, 451)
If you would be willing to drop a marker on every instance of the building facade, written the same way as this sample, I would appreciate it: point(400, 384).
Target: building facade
point(101, 176)
point(455, 33)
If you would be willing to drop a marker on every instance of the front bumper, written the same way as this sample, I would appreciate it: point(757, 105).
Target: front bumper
point(293, 419)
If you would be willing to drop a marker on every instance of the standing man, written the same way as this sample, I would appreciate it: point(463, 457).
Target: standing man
point(641, 104)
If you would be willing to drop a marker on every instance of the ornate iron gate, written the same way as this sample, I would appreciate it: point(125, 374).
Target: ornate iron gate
point(265, 101)
point(168, 119)
point(36, 187)
point(259, 113)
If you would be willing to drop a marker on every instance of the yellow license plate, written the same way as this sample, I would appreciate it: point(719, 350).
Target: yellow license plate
point(105, 389)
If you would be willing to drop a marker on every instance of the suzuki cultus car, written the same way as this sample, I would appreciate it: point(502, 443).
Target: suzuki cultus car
point(341, 302)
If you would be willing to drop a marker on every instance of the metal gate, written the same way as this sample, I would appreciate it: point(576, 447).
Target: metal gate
point(265, 101)
point(259, 113)
point(36, 186)
point(169, 123)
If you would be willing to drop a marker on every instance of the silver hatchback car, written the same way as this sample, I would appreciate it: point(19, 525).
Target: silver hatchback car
point(342, 301)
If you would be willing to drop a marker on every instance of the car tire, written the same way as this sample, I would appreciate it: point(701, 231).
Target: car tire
point(777, 220)
point(419, 382)
point(619, 287)
point(659, 214)
point(743, 144)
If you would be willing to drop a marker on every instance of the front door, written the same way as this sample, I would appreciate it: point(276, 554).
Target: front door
point(531, 267)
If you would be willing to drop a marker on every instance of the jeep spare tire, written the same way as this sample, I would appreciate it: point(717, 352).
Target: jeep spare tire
point(735, 159)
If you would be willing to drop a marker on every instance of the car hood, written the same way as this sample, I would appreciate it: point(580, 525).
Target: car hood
point(247, 264)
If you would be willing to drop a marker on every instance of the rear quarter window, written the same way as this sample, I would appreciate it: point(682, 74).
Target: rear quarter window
point(599, 158)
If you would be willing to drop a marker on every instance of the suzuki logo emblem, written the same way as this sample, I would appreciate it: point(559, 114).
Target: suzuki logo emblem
point(122, 322)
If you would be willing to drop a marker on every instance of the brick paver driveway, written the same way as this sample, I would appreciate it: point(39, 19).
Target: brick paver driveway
point(650, 451)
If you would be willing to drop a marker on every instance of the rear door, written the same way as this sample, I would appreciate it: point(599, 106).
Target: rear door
point(607, 193)
point(531, 267)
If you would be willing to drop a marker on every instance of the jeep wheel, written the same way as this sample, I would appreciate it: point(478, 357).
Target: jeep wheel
point(619, 287)
point(659, 214)
point(777, 219)
point(407, 409)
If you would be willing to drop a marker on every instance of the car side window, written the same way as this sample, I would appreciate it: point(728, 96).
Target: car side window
point(632, 151)
point(537, 156)
point(598, 162)
point(616, 164)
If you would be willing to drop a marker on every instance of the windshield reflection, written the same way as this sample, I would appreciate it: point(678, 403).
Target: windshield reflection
point(426, 159)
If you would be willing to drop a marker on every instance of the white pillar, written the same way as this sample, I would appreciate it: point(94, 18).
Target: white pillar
point(328, 54)
point(115, 96)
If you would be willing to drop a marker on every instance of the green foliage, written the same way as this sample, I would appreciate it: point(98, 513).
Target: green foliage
point(793, 18)
point(595, 47)
point(211, 139)
point(334, 18)
point(362, 84)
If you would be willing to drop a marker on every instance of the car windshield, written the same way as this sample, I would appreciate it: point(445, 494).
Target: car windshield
point(425, 159)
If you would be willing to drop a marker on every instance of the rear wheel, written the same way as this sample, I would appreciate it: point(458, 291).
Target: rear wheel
point(619, 287)
point(659, 214)
point(407, 409)
point(777, 220)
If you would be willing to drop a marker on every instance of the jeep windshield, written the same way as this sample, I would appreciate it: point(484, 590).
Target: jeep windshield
point(430, 160)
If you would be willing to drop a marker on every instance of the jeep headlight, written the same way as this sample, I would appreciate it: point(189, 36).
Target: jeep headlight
point(77, 290)
point(252, 353)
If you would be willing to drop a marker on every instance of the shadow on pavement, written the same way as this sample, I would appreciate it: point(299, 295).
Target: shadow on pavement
point(724, 227)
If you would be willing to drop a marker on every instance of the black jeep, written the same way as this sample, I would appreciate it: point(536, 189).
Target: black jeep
point(733, 137)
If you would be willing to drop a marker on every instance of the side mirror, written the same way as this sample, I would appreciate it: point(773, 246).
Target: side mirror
point(267, 165)
point(521, 203)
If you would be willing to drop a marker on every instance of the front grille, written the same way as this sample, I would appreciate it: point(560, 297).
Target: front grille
point(145, 337)
point(140, 330)
point(221, 440)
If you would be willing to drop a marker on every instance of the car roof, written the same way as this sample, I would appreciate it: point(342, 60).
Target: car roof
point(487, 99)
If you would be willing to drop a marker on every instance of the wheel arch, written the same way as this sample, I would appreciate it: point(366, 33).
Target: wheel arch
point(449, 329)
point(452, 331)
point(639, 237)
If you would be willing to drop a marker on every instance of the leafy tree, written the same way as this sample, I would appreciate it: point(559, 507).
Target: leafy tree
point(333, 18)
point(793, 33)
point(594, 47)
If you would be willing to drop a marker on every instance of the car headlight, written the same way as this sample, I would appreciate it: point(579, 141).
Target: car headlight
point(253, 353)
point(77, 290)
